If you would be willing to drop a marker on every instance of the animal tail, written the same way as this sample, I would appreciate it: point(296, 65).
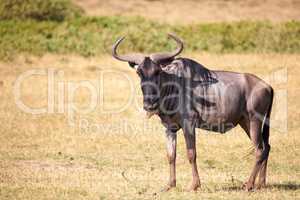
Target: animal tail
point(266, 124)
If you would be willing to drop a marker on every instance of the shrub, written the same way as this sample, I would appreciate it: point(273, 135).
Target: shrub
point(91, 36)
point(56, 10)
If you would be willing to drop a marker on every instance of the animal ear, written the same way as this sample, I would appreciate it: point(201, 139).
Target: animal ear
point(175, 68)
point(133, 65)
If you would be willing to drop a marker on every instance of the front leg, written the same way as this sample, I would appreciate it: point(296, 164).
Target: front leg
point(190, 139)
point(171, 154)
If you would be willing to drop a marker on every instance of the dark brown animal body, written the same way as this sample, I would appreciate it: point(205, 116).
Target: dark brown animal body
point(186, 95)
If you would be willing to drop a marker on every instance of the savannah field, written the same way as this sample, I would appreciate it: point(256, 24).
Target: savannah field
point(112, 151)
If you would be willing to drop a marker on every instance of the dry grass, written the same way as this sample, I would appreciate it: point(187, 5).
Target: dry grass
point(191, 11)
point(42, 157)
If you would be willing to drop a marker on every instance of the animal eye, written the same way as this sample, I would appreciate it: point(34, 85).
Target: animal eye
point(139, 73)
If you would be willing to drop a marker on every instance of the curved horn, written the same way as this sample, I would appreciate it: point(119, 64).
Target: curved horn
point(133, 58)
point(156, 57)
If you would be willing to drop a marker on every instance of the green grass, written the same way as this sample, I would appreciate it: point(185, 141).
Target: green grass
point(90, 36)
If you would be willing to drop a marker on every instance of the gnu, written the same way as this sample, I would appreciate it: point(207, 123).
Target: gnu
point(186, 95)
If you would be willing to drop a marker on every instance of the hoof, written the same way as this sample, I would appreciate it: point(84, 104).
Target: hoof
point(260, 186)
point(194, 187)
point(168, 187)
point(248, 187)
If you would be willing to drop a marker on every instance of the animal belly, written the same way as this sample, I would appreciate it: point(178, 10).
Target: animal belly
point(217, 110)
point(220, 127)
point(217, 122)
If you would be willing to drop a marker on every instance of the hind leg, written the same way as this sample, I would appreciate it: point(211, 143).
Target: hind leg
point(260, 152)
point(263, 170)
point(267, 147)
point(245, 124)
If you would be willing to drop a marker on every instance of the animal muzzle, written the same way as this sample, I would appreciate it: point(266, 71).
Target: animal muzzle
point(150, 107)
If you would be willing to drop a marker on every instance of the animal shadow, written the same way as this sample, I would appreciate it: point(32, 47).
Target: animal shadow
point(289, 186)
point(284, 186)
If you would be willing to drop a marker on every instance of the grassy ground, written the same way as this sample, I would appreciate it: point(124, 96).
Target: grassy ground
point(42, 157)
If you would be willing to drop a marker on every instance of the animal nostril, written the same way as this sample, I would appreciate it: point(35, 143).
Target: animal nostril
point(146, 106)
point(150, 105)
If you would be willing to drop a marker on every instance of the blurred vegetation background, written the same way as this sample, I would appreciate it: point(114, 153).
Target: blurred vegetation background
point(61, 27)
point(56, 10)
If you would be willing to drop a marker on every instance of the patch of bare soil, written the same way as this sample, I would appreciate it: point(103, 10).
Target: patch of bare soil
point(194, 11)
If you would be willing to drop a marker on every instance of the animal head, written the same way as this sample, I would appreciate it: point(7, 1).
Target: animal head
point(149, 69)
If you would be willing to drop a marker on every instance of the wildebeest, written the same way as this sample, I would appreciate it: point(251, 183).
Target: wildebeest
point(186, 95)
